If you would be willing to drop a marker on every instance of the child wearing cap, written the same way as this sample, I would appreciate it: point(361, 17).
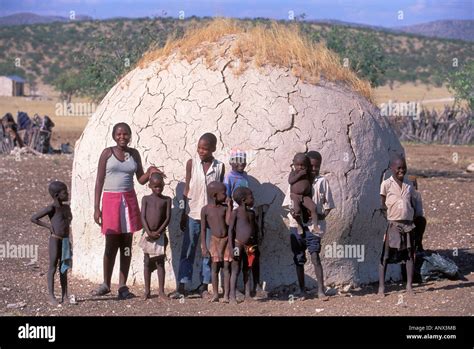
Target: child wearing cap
point(237, 177)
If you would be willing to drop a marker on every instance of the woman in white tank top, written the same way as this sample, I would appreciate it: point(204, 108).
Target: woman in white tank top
point(119, 217)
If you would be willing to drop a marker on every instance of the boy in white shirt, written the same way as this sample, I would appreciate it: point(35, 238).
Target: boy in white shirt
point(398, 200)
point(311, 240)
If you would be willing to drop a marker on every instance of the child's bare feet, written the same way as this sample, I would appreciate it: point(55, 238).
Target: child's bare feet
point(102, 290)
point(410, 291)
point(225, 300)
point(233, 301)
point(146, 296)
point(53, 301)
point(179, 293)
point(301, 295)
point(214, 299)
point(162, 296)
point(381, 292)
point(322, 296)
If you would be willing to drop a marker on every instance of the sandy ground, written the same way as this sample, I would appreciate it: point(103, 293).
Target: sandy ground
point(448, 193)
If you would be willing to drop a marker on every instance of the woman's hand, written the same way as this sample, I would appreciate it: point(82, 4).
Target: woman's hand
point(154, 169)
point(98, 216)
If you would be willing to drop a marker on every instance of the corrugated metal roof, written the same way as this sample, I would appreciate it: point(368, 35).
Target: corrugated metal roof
point(16, 78)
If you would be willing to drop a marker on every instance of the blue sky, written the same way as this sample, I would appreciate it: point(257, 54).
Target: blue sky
point(373, 12)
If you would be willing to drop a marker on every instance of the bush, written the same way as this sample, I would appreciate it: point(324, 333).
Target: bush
point(461, 82)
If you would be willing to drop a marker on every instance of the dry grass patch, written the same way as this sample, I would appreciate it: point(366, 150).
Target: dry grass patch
point(260, 45)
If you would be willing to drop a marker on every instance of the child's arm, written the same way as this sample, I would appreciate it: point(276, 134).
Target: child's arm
point(205, 251)
point(231, 232)
point(228, 211)
point(384, 206)
point(383, 196)
point(295, 176)
point(99, 184)
point(184, 216)
point(228, 186)
point(165, 224)
point(36, 218)
point(222, 174)
point(143, 216)
point(418, 205)
point(328, 200)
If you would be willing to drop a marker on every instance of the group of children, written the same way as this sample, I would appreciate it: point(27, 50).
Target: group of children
point(219, 208)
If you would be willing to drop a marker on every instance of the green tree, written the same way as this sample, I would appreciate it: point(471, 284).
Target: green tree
point(68, 84)
point(461, 82)
point(362, 51)
point(106, 59)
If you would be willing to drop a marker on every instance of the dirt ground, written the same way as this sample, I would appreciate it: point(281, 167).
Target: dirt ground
point(448, 193)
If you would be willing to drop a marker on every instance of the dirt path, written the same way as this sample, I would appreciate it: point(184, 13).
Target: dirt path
point(448, 207)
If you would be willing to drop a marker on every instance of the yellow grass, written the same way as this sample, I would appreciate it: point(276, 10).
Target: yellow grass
point(276, 45)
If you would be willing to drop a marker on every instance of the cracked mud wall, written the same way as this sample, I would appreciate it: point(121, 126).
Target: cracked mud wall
point(271, 114)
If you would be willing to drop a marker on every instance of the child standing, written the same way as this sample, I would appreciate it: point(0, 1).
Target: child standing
point(238, 178)
point(397, 195)
point(60, 251)
point(155, 215)
point(309, 240)
point(215, 215)
point(242, 239)
point(200, 171)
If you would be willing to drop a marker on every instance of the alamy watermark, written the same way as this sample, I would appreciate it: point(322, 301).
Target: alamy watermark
point(8, 250)
point(409, 109)
point(75, 108)
point(345, 251)
point(37, 332)
point(240, 155)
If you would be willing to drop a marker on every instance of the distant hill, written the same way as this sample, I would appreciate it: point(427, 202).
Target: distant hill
point(448, 29)
point(445, 29)
point(107, 49)
point(31, 18)
point(349, 24)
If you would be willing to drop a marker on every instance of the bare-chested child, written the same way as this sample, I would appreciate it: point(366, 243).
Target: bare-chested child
point(60, 252)
point(215, 215)
point(301, 189)
point(155, 214)
point(242, 239)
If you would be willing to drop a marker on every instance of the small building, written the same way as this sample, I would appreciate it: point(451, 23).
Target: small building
point(12, 85)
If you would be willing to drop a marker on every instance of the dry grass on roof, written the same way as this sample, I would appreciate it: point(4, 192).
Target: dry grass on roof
point(274, 44)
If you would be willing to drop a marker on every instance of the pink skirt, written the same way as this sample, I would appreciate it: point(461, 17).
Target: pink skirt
point(120, 212)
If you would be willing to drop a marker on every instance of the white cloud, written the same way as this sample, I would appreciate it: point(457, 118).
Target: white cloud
point(419, 6)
